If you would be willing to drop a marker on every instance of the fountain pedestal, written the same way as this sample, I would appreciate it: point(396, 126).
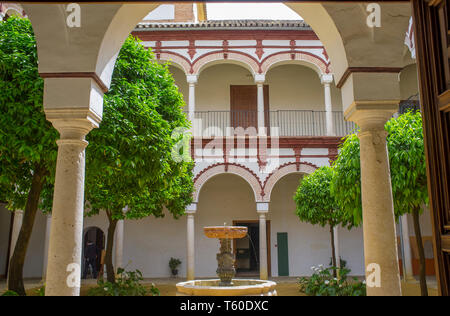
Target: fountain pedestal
point(225, 263)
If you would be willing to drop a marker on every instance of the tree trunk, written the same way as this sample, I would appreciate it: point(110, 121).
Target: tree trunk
point(423, 280)
point(333, 252)
point(15, 275)
point(110, 273)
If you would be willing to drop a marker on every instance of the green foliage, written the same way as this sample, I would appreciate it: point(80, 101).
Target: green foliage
point(174, 263)
point(407, 164)
point(27, 139)
point(40, 291)
point(9, 293)
point(322, 283)
point(346, 182)
point(316, 204)
point(127, 284)
point(407, 161)
point(129, 160)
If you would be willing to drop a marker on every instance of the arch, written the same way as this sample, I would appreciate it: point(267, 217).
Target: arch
point(299, 58)
point(98, 239)
point(317, 16)
point(221, 57)
point(12, 9)
point(176, 60)
point(284, 170)
point(214, 170)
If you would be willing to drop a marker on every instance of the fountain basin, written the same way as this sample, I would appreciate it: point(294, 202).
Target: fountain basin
point(225, 232)
point(240, 287)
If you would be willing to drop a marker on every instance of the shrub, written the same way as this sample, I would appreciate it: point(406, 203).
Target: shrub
point(9, 293)
point(40, 291)
point(127, 284)
point(322, 283)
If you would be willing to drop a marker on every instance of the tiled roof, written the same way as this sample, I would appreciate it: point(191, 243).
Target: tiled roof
point(226, 24)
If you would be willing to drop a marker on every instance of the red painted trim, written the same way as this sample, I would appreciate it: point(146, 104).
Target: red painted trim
point(286, 165)
point(283, 142)
point(176, 54)
point(241, 47)
point(174, 35)
point(226, 165)
point(296, 52)
point(224, 52)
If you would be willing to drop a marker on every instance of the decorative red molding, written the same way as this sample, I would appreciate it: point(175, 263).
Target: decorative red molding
point(285, 165)
point(259, 49)
point(174, 35)
point(191, 50)
point(226, 170)
point(285, 142)
point(293, 52)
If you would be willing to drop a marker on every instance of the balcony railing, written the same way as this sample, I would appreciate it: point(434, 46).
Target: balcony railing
point(288, 122)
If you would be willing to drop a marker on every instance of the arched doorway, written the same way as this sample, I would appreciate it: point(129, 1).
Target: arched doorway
point(224, 199)
point(93, 246)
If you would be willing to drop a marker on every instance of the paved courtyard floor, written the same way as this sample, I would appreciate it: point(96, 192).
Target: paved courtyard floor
point(286, 286)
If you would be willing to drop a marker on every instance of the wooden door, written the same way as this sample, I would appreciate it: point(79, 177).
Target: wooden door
point(244, 106)
point(432, 34)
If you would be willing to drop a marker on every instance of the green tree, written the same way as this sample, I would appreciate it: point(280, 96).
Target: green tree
point(129, 159)
point(316, 205)
point(408, 175)
point(27, 140)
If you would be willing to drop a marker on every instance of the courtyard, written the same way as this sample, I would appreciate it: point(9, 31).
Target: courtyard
point(304, 130)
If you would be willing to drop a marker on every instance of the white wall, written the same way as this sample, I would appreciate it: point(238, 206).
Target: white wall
point(295, 87)
point(35, 253)
point(308, 245)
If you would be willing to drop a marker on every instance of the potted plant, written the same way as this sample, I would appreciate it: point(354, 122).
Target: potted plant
point(173, 264)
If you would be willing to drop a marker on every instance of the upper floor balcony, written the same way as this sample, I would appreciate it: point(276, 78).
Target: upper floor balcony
point(282, 123)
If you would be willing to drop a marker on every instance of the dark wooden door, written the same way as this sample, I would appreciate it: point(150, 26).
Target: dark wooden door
point(244, 106)
point(432, 34)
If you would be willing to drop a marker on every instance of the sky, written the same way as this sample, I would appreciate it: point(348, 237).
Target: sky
point(246, 11)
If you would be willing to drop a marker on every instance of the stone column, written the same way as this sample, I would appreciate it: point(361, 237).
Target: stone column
point(64, 259)
point(262, 210)
point(118, 243)
point(190, 238)
point(46, 245)
point(192, 81)
point(380, 246)
point(327, 79)
point(408, 273)
point(259, 80)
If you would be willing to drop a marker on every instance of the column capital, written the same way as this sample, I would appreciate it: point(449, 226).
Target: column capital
point(191, 209)
point(73, 123)
point(371, 115)
point(192, 79)
point(260, 79)
point(18, 212)
point(262, 208)
point(326, 78)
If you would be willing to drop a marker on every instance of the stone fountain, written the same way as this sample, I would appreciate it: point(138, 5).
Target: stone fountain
point(226, 285)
